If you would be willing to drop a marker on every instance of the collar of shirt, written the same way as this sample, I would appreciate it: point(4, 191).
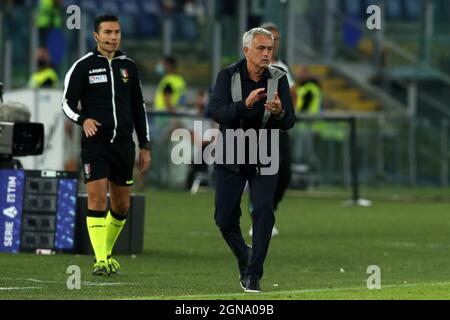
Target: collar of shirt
point(118, 53)
point(246, 76)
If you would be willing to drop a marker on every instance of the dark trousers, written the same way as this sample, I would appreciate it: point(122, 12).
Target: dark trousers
point(284, 171)
point(229, 189)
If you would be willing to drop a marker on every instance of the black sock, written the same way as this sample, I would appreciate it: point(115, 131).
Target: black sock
point(118, 216)
point(95, 213)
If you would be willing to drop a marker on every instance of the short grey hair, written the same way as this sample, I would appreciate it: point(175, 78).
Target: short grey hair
point(248, 37)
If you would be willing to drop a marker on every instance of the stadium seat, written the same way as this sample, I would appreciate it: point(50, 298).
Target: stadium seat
point(67, 3)
point(148, 25)
point(148, 21)
point(350, 32)
point(129, 14)
point(150, 6)
point(128, 25)
point(89, 6)
point(111, 7)
point(130, 7)
point(89, 10)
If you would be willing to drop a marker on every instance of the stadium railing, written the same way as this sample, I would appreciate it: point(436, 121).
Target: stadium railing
point(370, 149)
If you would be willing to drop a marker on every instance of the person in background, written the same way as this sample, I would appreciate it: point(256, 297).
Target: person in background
point(107, 146)
point(45, 76)
point(49, 16)
point(284, 173)
point(171, 90)
point(309, 92)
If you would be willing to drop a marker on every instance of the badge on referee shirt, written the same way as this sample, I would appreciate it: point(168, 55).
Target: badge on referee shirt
point(124, 74)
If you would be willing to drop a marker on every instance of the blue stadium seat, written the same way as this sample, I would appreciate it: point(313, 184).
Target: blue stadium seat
point(111, 7)
point(67, 3)
point(130, 7)
point(89, 6)
point(128, 13)
point(150, 6)
point(350, 33)
point(148, 25)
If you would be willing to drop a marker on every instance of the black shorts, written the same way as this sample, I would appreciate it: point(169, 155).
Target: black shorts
point(114, 161)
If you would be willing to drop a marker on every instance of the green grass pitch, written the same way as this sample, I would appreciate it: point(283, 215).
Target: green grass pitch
point(322, 252)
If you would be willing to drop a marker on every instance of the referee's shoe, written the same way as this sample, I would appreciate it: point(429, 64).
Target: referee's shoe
point(101, 268)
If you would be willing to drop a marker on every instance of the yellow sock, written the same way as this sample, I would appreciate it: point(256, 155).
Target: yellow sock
point(113, 228)
point(97, 234)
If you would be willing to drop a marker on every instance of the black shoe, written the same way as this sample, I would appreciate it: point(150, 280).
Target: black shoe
point(243, 269)
point(252, 285)
point(101, 269)
point(243, 281)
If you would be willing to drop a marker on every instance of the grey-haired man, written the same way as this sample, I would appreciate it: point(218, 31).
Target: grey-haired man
point(249, 95)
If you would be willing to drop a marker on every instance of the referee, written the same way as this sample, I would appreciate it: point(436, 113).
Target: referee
point(102, 93)
point(249, 95)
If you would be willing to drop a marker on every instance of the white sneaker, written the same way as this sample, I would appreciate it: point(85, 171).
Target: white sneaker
point(275, 231)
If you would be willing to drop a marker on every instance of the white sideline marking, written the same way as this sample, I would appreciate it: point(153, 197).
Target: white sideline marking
point(88, 283)
point(292, 291)
point(84, 283)
point(414, 244)
point(40, 281)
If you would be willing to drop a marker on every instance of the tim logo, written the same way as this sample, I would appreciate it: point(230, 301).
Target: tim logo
point(10, 212)
point(98, 79)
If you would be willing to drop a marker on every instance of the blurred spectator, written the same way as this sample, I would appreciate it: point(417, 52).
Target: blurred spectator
point(171, 90)
point(186, 16)
point(309, 93)
point(276, 60)
point(193, 16)
point(199, 173)
point(45, 76)
point(309, 101)
point(284, 172)
point(49, 16)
